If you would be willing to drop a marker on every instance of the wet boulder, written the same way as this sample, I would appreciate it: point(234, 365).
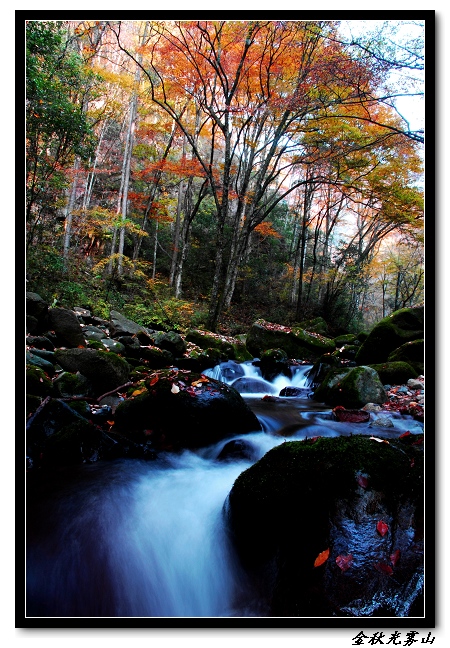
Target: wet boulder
point(231, 370)
point(105, 370)
point(404, 325)
point(180, 409)
point(294, 341)
point(69, 384)
point(237, 449)
point(249, 385)
point(351, 388)
point(333, 527)
point(274, 362)
point(67, 327)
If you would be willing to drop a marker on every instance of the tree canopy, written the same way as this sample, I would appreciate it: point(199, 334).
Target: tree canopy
point(243, 166)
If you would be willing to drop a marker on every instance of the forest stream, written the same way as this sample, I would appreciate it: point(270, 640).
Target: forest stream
point(130, 538)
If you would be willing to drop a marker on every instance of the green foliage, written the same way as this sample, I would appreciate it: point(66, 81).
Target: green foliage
point(57, 126)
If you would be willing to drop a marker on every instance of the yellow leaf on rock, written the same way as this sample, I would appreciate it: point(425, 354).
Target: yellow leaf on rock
point(138, 391)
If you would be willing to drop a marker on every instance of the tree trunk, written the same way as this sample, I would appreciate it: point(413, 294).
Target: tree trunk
point(69, 212)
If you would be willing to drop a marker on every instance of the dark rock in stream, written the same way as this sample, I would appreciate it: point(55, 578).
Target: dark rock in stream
point(333, 527)
point(180, 409)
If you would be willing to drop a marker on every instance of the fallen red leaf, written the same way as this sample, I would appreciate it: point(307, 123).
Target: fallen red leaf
point(404, 435)
point(395, 557)
point(382, 528)
point(153, 381)
point(384, 569)
point(322, 557)
point(418, 442)
point(344, 562)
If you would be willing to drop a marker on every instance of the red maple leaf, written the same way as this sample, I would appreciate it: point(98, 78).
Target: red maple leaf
point(382, 528)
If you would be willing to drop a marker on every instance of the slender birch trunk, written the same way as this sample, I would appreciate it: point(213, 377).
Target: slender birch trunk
point(69, 212)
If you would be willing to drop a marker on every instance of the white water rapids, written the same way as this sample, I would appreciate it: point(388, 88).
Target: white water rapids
point(147, 539)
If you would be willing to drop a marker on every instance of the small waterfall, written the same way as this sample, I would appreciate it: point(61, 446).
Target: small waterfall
point(248, 380)
point(147, 539)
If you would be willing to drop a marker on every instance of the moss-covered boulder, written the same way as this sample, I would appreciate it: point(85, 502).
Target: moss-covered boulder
point(315, 325)
point(36, 381)
point(274, 362)
point(394, 373)
point(404, 325)
point(346, 352)
point(157, 358)
point(351, 388)
point(231, 348)
point(295, 342)
point(332, 527)
point(105, 370)
point(72, 384)
point(170, 341)
point(178, 409)
point(349, 338)
point(321, 367)
point(411, 352)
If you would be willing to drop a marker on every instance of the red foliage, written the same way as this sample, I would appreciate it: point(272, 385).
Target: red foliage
point(382, 528)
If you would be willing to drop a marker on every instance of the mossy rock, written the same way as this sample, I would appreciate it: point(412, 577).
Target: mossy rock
point(274, 362)
point(231, 348)
point(411, 352)
point(321, 367)
point(72, 384)
point(94, 344)
point(32, 403)
point(316, 325)
point(157, 358)
point(404, 325)
point(349, 338)
point(37, 383)
point(182, 409)
point(305, 497)
point(351, 388)
point(394, 373)
point(346, 352)
point(105, 370)
point(170, 341)
point(295, 342)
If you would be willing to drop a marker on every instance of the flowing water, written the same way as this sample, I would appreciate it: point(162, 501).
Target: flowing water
point(147, 539)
